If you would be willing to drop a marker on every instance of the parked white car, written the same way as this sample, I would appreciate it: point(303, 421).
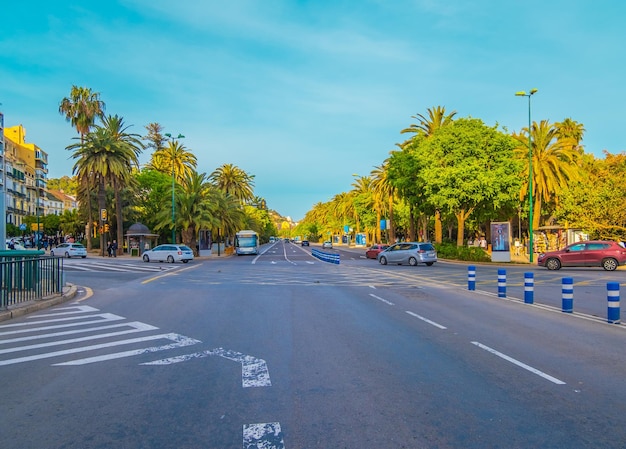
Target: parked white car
point(168, 253)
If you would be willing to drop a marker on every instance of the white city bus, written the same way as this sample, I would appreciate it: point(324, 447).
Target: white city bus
point(246, 242)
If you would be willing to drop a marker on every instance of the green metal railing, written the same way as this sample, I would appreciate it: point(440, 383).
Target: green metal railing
point(26, 278)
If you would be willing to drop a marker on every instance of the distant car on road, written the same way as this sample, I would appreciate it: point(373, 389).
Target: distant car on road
point(168, 253)
point(593, 253)
point(374, 250)
point(69, 250)
point(327, 245)
point(305, 243)
point(409, 252)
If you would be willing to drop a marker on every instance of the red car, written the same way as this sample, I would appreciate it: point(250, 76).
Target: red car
point(374, 250)
point(594, 253)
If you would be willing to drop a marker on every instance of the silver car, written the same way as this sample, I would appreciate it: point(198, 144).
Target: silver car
point(69, 250)
point(168, 253)
point(409, 252)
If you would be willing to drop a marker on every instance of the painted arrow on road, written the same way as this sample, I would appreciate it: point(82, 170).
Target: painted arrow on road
point(254, 372)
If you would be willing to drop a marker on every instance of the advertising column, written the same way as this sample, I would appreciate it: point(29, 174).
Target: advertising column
point(501, 241)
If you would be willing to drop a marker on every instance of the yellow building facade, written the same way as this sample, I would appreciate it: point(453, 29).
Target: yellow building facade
point(26, 168)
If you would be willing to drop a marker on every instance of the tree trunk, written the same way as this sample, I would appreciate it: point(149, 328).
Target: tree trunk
point(461, 216)
point(119, 219)
point(412, 233)
point(101, 206)
point(89, 218)
point(392, 232)
point(438, 230)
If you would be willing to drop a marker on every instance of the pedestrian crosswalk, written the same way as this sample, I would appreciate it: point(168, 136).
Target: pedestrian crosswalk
point(106, 265)
point(79, 335)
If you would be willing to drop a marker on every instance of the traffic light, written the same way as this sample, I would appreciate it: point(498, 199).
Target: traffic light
point(106, 227)
point(103, 214)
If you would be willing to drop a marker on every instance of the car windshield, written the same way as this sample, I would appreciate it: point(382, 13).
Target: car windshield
point(185, 248)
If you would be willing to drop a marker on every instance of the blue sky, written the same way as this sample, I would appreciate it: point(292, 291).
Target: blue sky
point(303, 94)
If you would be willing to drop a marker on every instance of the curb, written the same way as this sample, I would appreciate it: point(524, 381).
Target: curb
point(69, 292)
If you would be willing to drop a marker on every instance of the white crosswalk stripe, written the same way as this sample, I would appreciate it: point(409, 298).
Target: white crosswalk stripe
point(85, 325)
point(97, 265)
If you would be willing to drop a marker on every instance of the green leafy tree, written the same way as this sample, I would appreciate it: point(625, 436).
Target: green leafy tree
point(596, 203)
point(468, 165)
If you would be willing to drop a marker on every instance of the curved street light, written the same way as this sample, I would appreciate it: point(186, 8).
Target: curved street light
point(169, 137)
point(530, 175)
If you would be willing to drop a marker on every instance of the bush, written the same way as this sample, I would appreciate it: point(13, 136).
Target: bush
point(469, 253)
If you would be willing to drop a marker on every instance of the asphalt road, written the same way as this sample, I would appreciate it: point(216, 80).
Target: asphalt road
point(285, 351)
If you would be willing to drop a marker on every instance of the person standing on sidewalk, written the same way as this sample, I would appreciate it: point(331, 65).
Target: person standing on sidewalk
point(114, 248)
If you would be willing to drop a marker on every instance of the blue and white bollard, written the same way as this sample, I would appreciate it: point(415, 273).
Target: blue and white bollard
point(501, 283)
point(612, 290)
point(529, 288)
point(567, 292)
point(471, 277)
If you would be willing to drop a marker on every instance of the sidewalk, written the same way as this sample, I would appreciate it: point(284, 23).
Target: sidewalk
point(21, 309)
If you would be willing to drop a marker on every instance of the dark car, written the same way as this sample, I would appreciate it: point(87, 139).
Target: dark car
point(373, 251)
point(305, 243)
point(594, 253)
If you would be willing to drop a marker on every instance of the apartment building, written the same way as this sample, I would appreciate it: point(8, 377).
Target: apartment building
point(26, 173)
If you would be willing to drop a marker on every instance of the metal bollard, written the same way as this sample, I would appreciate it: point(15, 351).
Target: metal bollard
point(471, 277)
point(567, 293)
point(529, 288)
point(501, 283)
point(612, 290)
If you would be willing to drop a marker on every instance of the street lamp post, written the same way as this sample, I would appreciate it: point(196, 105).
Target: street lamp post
point(530, 174)
point(169, 136)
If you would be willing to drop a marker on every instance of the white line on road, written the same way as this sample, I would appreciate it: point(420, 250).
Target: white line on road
point(381, 299)
point(179, 342)
point(75, 331)
point(135, 325)
point(426, 320)
point(520, 364)
point(102, 317)
point(263, 436)
point(254, 372)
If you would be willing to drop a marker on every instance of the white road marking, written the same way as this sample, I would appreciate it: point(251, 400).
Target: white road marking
point(71, 310)
point(136, 327)
point(179, 342)
point(520, 364)
point(381, 299)
point(263, 436)
point(75, 331)
point(103, 317)
point(254, 372)
point(426, 320)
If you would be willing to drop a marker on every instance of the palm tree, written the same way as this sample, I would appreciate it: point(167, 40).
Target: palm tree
point(232, 180)
point(106, 155)
point(437, 118)
point(384, 192)
point(175, 160)
point(129, 148)
point(81, 109)
point(571, 129)
point(195, 207)
point(554, 164)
